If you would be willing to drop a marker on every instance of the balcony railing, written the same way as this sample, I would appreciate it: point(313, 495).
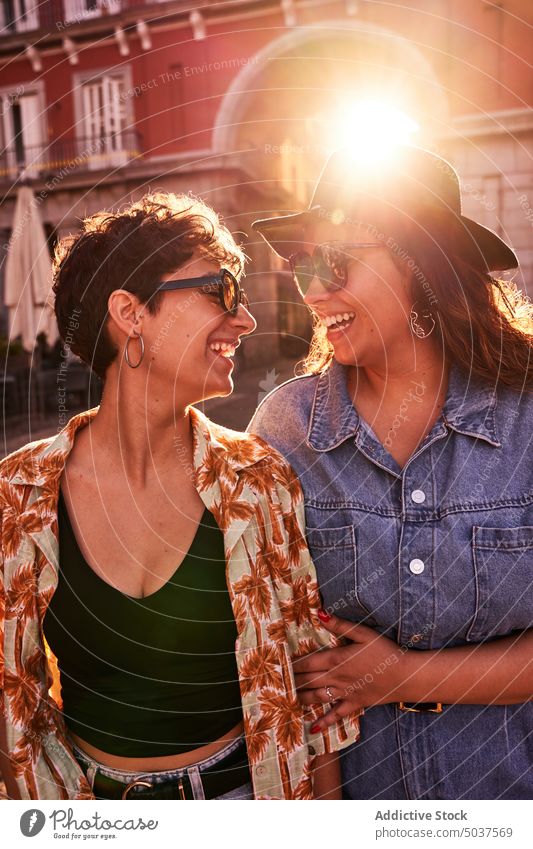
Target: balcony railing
point(61, 158)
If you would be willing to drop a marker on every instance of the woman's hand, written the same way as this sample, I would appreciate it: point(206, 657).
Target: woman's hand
point(374, 670)
point(368, 671)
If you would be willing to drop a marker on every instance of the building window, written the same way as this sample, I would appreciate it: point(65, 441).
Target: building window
point(80, 10)
point(18, 15)
point(104, 120)
point(22, 131)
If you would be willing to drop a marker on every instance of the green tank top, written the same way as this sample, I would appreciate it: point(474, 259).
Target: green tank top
point(152, 676)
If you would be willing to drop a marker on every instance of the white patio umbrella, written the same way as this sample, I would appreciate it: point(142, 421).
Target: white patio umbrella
point(28, 275)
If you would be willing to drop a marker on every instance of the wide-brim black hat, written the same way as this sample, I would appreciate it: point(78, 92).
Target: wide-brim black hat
point(413, 183)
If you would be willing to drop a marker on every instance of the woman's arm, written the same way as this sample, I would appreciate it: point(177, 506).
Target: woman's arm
point(497, 673)
point(327, 781)
point(5, 765)
point(372, 670)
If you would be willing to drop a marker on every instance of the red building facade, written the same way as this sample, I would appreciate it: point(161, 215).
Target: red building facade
point(236, 101)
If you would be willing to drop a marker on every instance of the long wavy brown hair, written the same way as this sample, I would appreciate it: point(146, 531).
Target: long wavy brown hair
point(485, 323)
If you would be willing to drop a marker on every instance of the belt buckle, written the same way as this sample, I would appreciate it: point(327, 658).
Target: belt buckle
point(407, 706)
point(133, 784)
point(140, 783)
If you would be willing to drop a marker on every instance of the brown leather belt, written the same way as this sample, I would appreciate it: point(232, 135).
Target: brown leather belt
point(228, 774)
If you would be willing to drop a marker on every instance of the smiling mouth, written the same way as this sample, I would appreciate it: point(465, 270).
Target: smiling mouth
point(223, 349)
point(341, 321)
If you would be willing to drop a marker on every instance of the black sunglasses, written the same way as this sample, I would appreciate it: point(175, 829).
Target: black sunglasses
point(225, 284)
point(329, 262)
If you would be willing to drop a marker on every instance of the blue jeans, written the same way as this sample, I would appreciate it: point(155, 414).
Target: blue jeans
point(194, 772)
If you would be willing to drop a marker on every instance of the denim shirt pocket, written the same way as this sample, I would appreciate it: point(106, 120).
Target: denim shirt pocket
point(334, 553)
point(503, 567)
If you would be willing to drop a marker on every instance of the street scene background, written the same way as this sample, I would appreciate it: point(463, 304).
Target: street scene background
point(239, 103)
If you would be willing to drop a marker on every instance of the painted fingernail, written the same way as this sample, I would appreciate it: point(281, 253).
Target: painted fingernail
point(325, 617)
point(314, 728)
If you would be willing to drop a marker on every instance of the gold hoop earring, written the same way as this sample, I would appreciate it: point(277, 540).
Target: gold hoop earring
point(127, 354)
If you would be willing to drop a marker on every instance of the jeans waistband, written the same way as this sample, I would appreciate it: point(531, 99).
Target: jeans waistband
point(157, 776)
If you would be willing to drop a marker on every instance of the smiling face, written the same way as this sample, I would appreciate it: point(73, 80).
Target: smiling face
point(191, 341)
point(367, 319)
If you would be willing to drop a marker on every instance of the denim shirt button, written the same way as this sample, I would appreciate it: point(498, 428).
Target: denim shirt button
point(418, 496)
point(417, 566)
point(416, 638)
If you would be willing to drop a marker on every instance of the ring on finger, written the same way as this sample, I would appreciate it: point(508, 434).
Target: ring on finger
point(329, 694)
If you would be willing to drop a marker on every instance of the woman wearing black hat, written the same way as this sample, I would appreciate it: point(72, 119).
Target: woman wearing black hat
point(411, 431)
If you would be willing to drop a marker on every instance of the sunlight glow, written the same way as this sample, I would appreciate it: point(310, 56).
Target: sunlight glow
point(371, 129)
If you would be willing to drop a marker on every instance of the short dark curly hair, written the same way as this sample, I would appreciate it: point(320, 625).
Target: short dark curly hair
point(130, 249)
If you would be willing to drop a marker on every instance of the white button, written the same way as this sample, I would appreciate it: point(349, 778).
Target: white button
point(418, 496)
point(416, 566)
point(260, 770)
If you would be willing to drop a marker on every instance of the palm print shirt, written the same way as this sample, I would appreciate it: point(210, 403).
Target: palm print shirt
point(257, 501)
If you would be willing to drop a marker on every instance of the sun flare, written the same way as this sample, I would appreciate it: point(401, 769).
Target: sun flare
point(371, 129)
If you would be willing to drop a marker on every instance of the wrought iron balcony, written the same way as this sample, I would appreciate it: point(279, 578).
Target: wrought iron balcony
point(64, 157)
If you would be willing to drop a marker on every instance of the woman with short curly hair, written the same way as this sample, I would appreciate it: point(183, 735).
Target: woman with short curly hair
point(155, 579)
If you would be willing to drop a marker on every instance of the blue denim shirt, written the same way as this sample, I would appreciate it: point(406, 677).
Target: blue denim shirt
point(438, 554)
